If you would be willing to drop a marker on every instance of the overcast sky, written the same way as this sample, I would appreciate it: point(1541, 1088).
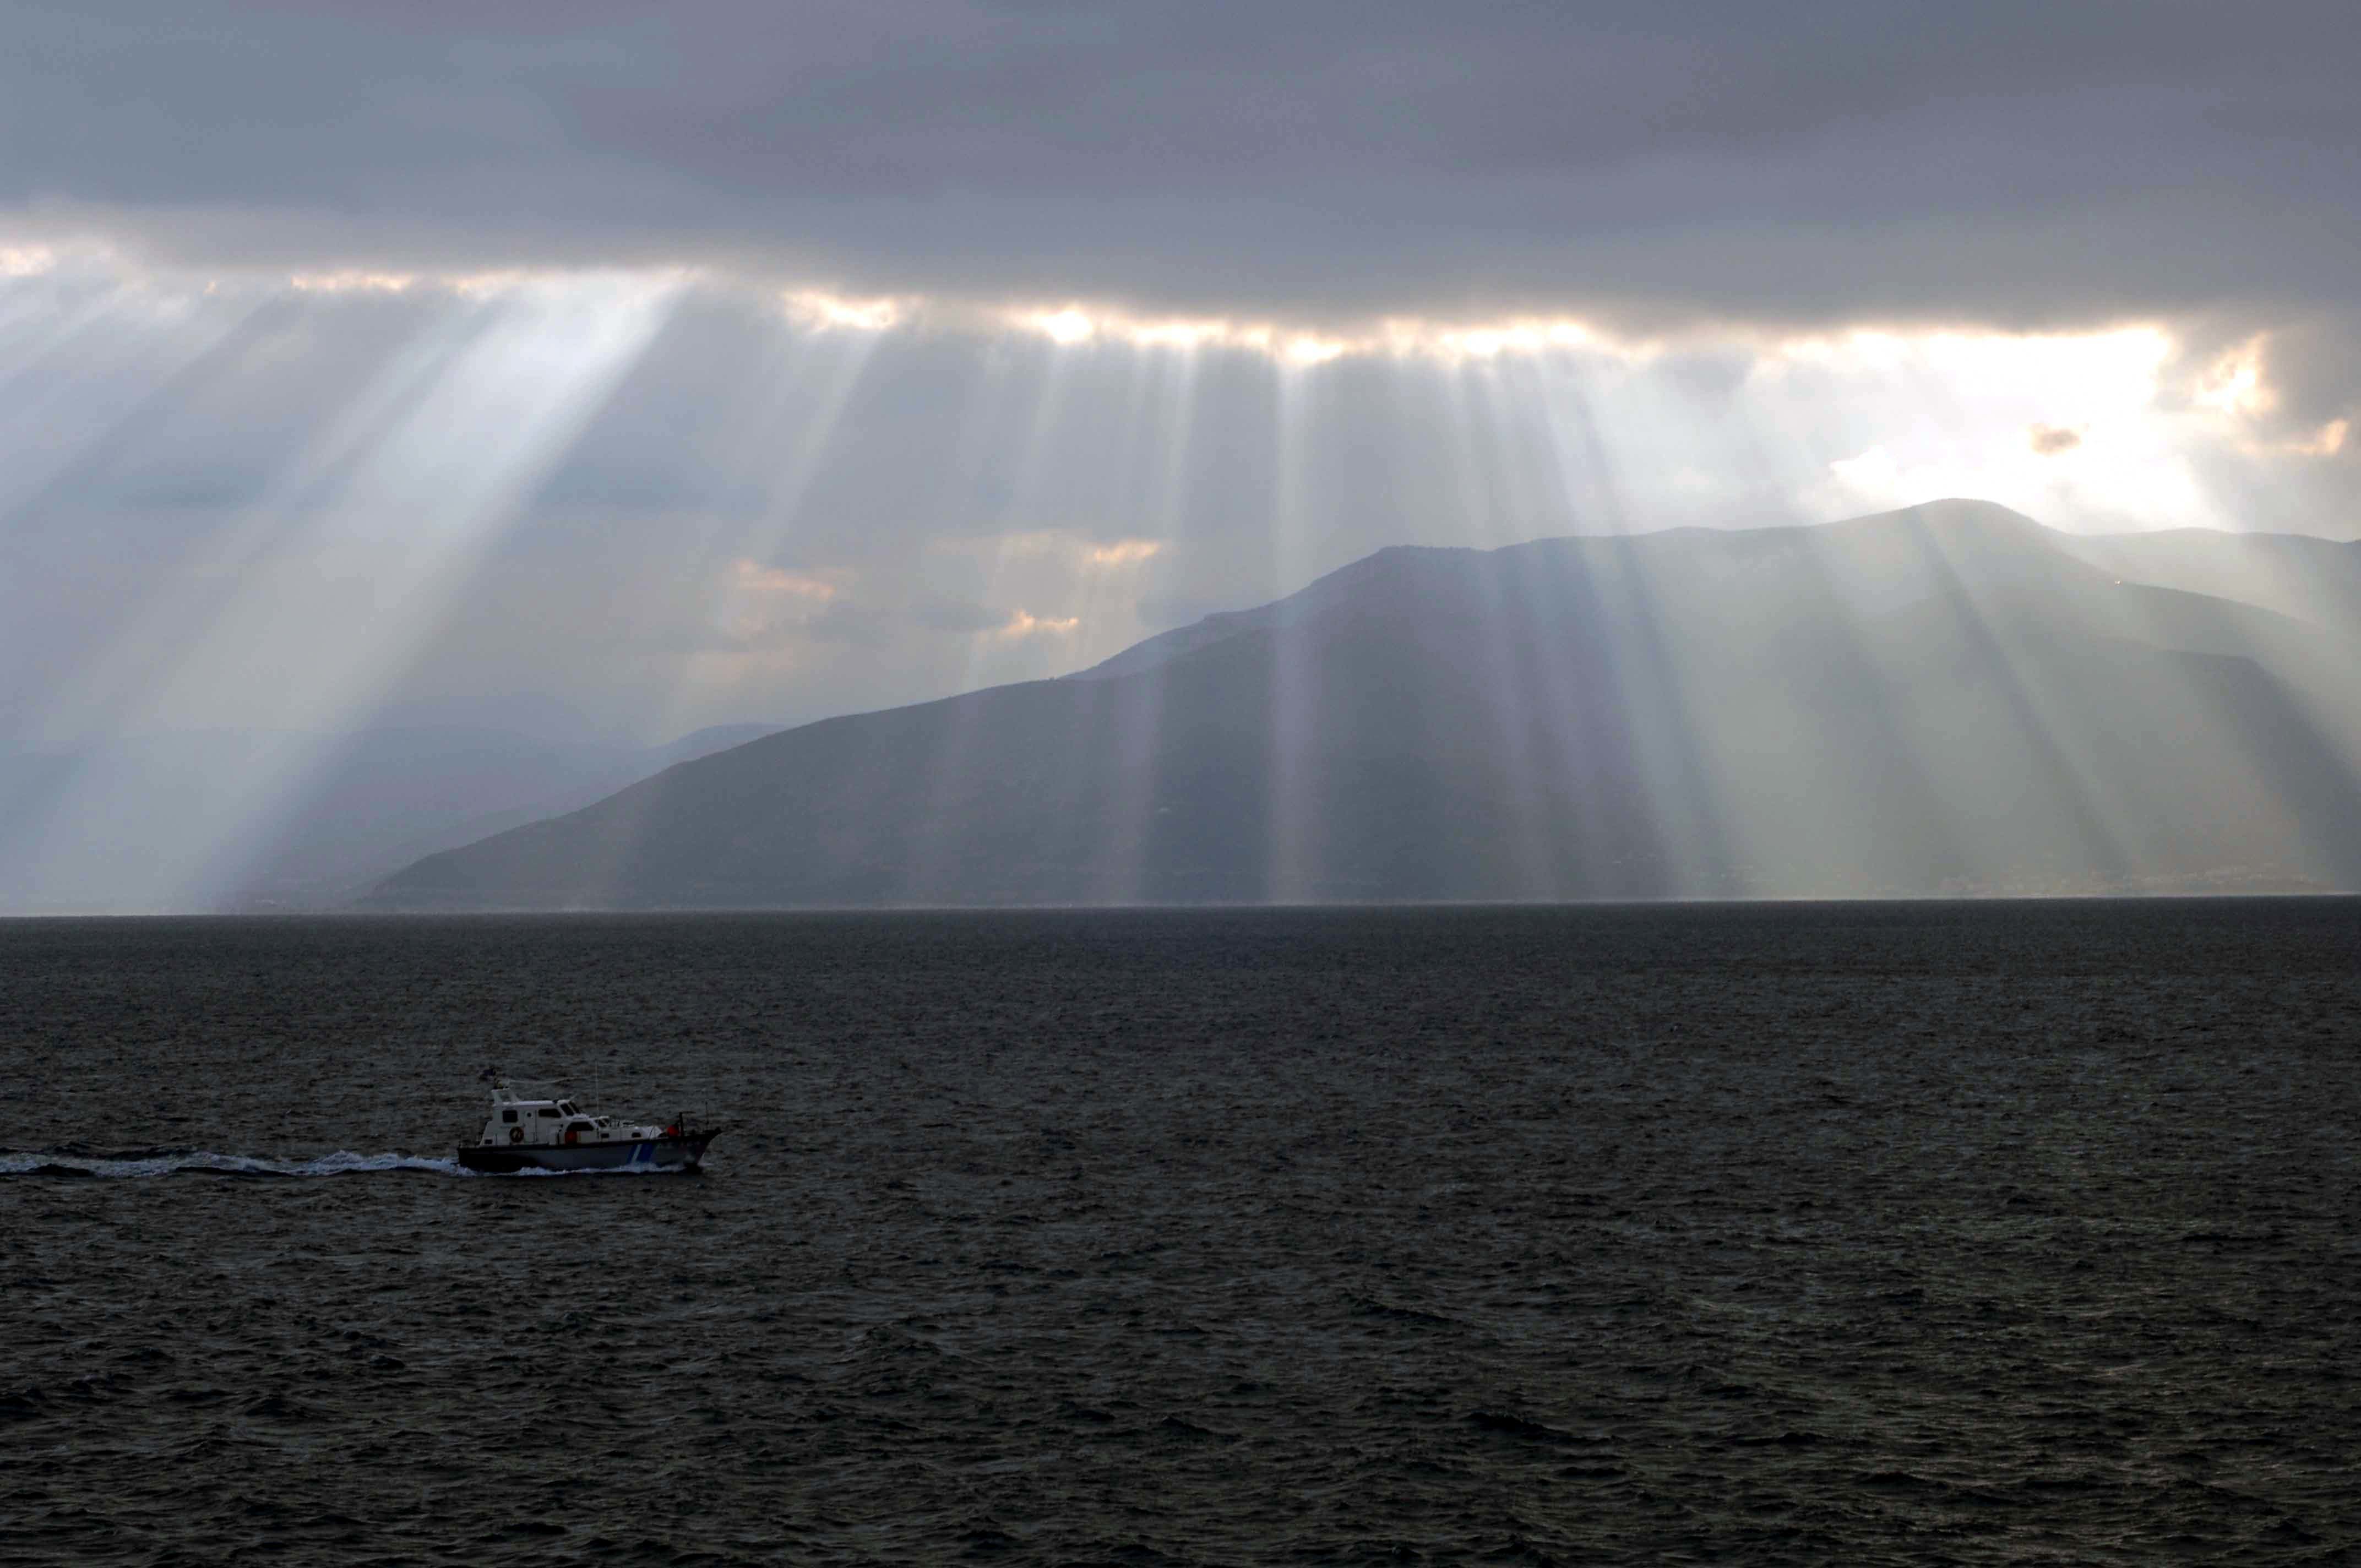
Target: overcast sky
point(764, 361)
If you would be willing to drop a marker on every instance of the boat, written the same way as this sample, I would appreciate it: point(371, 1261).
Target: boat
point(552, 1131)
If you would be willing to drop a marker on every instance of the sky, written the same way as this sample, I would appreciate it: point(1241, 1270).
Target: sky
point(658, 367)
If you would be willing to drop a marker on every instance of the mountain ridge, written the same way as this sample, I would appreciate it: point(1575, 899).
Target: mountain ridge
point(1937, 700)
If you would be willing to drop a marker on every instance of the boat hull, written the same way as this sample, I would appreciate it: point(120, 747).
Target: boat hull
point(684, 1153)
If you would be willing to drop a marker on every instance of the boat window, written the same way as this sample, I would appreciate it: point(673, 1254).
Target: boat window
point(549, 1111)
point(567, 1106)
point(508, 1115)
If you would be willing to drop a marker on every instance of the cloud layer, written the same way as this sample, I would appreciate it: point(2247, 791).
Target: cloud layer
point(747, 361)
point(2007, 164)
point(671, 501)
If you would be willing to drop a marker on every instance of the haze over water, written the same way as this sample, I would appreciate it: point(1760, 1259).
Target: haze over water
point(1928, 1233)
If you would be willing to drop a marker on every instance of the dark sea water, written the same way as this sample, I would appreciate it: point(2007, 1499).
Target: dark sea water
point(1921, 1234)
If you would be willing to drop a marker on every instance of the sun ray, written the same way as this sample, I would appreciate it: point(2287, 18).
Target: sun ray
point(1291, 743)
point(415, 507)
point(1509, 640)
point(2223, 710)
point(198, 599)
point(1027, 477)
point(1207, 455)
point(785, 431)
point(981, 447)
point(1643, 700)
point(1140, 742)
point(2025, 688)
point(89, 368)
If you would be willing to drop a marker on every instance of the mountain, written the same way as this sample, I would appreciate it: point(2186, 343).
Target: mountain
point(387, 796)
point(137, 824)
point(2314, 580)
point(1947, 700)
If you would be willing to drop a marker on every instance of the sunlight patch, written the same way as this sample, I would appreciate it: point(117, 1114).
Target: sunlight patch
point(1065, 328)
point(26, 260)
point(1067, 547)
point(351, 282)
point(1124, 552)
point(2234, 384)
point(1022, 623)
point(2327, 441)
point(753, 577)
point(758, 604)
point(817, 307)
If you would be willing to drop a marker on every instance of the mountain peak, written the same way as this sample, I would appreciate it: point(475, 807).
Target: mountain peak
point(1942, 698)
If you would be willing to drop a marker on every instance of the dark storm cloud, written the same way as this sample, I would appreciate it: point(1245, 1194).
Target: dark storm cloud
point(2012, 162)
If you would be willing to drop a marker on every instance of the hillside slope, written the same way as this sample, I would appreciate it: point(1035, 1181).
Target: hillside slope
point(1947, 700)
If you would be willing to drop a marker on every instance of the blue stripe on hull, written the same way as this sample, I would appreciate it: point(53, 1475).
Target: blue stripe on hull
point(647, 1153)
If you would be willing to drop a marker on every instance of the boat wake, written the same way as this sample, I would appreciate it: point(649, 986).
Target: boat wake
point(76, 1160)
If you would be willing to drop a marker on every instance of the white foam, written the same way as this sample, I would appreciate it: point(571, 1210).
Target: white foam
point(178, 1162)
point(595, 1170)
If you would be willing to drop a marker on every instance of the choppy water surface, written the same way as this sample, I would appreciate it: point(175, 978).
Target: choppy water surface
point(1926, 1234)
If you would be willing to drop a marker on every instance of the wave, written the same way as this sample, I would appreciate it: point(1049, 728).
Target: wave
point(76, 1160)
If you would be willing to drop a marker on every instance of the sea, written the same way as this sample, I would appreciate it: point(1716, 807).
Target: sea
point(1958, 1232)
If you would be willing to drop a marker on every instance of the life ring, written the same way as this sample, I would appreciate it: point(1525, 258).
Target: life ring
point(516, 1134)
point(573, 1135)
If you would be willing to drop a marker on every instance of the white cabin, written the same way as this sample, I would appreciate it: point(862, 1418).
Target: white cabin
point(520, 1120)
